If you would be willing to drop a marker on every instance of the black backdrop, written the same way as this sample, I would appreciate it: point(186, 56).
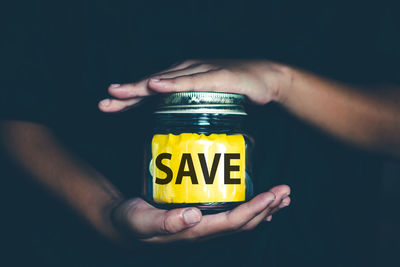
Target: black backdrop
point(60, 56)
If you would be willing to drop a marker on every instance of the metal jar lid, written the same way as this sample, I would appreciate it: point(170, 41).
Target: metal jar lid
point(202, 102)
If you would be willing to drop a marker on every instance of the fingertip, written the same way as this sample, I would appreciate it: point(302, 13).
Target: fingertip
point(263, 200)
point(285, 202)
point(120, 91)
point(177, 220)
point(281, 191)
point(104, 104)
point(286, 189)
point(106, 109)
point(107, 106)
point(114, 85)
point(191, 216)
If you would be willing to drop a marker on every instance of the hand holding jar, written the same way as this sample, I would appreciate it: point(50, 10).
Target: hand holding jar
point(187, 123)
point(261, 81)
point(198, 180)
point(137, 219)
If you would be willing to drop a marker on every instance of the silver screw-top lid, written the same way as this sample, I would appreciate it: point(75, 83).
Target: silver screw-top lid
point(202, 102)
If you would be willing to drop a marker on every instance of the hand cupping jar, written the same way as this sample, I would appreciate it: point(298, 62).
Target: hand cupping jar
point(199, 154)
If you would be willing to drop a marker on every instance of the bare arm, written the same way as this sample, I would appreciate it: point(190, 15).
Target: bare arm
point(367, 118)
point(84, 189)
point(119, 219)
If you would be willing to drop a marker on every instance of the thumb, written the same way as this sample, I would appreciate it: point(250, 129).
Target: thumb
point(144, 220)
point(177, 220)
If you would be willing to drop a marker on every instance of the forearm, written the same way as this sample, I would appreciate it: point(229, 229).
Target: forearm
point(89, 193)
point(367, 118)
point(36, 149)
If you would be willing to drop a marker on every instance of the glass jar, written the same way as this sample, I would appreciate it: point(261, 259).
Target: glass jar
point(199, 154)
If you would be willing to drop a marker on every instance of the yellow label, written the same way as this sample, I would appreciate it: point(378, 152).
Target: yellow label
point(196, 168)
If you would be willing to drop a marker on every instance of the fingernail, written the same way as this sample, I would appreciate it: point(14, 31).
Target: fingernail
point(283, 204)
point(155, 79)
point(191, 216)
point(269, 218)
point(115, 85)
point(105, 102)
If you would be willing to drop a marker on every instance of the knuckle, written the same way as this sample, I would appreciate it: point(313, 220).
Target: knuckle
point(128, 208)
point(274, 195)
point(173, 80)
point(130, 86)
point(168, 226)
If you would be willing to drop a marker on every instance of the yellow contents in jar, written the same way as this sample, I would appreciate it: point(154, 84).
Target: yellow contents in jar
point(198, 168)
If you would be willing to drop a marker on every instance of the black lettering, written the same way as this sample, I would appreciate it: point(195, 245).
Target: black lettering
point(186, 157)
point(209, 177)
point(228, 168)
point(163, 168)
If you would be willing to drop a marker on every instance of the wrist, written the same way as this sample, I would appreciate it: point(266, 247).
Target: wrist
point(281, 82)
point(119, 216)
point(104, 222)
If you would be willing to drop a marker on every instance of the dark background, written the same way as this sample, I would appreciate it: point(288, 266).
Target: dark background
point(59, 57)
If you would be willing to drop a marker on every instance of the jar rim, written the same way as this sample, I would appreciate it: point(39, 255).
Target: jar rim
point(202, 102)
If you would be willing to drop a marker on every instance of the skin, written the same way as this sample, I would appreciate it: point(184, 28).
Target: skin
point(369, 119)
point(359, 117)
point(124, 221)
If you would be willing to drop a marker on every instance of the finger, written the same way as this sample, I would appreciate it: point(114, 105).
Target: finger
point(177, 220)
point(130, 90)
point(178, 66)
point(141, 89)
point(146, 221)
point(222, 222)
point(284, 203)
point(192, 69)
point(182, 65)
point(281, 198)
point(281, 192)
point(116, 105)
point(256, 220)
point(212, 81)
